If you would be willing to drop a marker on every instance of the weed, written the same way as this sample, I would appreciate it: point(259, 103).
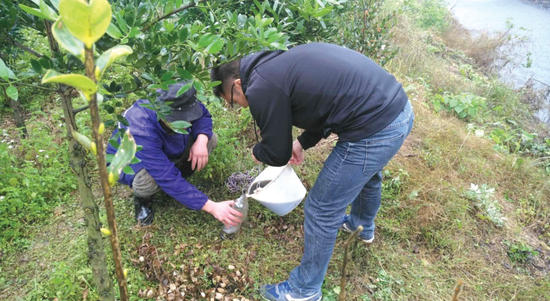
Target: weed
point(464, 105)
point(34, 180)
point(520, 251)
point(483, 199)
point(429, 14)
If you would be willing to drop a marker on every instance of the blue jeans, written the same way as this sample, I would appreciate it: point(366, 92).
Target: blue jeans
point(351, 175)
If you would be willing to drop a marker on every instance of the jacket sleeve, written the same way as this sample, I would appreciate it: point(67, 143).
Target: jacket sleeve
point(309, 139)
point(165, 173)
point(202, 125)
point(271, 109)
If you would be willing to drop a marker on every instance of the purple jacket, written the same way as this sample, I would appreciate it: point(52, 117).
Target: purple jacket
point(159, 148)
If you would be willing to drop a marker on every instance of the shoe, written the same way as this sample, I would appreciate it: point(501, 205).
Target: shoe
point(283, 292)
point(346, 228)
point(143, 208)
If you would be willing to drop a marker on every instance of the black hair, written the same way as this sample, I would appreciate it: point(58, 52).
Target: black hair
point(226, 73)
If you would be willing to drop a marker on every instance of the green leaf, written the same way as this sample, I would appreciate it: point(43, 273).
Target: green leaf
point(5, 72)
point(83, 140)
point(36, 66)
point(108, 57)
point(323, 12)
point(183, 34)
point(133, 32)
point(458, 109)
point(169, 26)
point(87, 22)
point(215, 46)
point(114, 143)
point(184, 89)
point(128, 170)
point(32, 11)
point(12, 92)
point(81, 82)
point(121, 22)
point(109, 158)
point(114, 32)
point(166, 76)
point(64, 37)
point(279, 46)
point(213, 84)
point(184, 73)
point(206, 39)
point(124, 154)
point(453, 103)
point(180, 124)
point(47, 11)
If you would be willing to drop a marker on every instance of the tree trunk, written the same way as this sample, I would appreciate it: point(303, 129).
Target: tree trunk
point(103, 177)
point(77, 161)
point(19, 120)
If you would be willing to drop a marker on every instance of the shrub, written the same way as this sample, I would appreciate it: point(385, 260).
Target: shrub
point(464, 105)
point(520, 251)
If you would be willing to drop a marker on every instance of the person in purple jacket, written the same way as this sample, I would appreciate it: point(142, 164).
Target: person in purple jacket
point(167, 157)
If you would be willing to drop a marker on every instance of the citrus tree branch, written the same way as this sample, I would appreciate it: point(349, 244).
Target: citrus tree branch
point(192, 4)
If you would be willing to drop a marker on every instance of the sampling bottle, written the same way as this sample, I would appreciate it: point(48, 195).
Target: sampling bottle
point(241, 205)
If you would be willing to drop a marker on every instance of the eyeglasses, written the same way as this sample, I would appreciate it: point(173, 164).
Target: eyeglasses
point(232, 95)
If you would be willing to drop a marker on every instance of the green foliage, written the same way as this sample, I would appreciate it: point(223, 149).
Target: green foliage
point(520, 251)
point(464, 105)
point(429, 14)
point(393, 184)
point(364, 26)
point(35, 178)
point(484, 200)
point(231, 148)
point(64, 283)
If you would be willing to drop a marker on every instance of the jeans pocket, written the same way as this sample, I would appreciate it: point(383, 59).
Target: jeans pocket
point(382, 148)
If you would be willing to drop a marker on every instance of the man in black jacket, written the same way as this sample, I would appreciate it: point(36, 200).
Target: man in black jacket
point(323, 89)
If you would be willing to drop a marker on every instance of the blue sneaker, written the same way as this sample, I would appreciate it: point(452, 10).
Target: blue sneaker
point(283, 292)
point(347, 228)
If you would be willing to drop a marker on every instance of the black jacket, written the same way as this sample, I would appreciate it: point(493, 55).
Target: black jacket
point(321, 88)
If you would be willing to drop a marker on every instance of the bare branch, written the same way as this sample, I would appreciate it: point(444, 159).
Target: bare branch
point(192, 4)
point(35, 86)
point(76, 111)
point(9, 40)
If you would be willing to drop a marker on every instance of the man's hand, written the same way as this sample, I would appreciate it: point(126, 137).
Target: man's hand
point(297, 153)
point(198, 155)
point(224, 212)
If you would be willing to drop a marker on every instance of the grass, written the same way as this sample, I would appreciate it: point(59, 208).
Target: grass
point(430, 233)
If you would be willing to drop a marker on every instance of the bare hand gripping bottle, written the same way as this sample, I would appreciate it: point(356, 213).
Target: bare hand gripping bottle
point(241, 205)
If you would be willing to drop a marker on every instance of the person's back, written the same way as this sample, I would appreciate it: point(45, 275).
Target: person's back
point(330, 87)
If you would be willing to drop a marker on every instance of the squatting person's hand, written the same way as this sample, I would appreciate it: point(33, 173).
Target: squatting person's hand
point(198, 155)
point(224, 212)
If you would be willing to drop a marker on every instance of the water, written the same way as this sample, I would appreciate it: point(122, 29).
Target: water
point(241, 205)
point(258, 185)
point(491, 15)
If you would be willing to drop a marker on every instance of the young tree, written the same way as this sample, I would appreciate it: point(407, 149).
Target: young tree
point(166, 41)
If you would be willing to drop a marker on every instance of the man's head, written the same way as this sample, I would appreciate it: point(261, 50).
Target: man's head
point(231, 89)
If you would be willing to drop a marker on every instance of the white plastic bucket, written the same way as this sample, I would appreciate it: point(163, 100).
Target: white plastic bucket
point(283, 192)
